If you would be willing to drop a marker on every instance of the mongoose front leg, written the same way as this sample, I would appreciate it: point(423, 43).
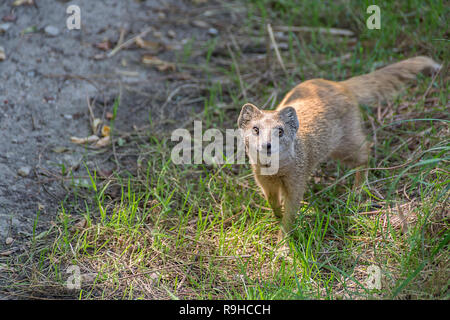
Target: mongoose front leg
point(360, 177)
point(293, 195)
point(291, 207)
point(271, 187)
point(275, 204)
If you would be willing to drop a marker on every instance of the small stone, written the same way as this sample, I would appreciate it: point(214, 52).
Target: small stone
point(200, 24)
point(171, 33)
point(9, 240)
point(24, 171)
point(4, 27)
point(213, 31)
point(51, 31)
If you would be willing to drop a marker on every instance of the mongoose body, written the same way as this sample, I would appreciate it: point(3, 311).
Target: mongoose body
point(317, 120)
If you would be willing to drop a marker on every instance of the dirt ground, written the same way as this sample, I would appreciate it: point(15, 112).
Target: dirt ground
point(49, 74)
point(159, 62)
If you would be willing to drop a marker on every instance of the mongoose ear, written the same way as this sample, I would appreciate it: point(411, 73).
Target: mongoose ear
point(289, 116)
point(248, 112)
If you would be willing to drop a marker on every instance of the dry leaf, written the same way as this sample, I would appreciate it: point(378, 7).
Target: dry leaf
point(9, 18)
point(2, 54)
point(23, 2)
point(171, 34)
point(200, 24)
point(95, 123)
point(6, 253)
point(60, 149)
point(106, 130)
point(103, 142)
point(109, 115)
point(158, 63)
point(89, 139)
point(150, 45)
point(104, 45)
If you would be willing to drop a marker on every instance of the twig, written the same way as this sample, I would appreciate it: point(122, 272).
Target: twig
point(121, 36)
point(91, 113)
point(275, 46)
point(128, 42)
point(332, 31)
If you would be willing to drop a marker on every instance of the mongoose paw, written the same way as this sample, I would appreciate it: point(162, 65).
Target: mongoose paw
point(278, 213)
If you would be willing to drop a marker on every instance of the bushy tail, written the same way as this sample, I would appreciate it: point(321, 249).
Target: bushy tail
point(384, 83)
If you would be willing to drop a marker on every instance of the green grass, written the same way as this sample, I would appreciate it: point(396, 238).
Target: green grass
point(195, 231)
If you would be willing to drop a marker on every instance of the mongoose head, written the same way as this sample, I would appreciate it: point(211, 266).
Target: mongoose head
point(268, 132)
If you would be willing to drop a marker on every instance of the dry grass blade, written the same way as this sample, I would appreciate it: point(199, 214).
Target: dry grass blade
point(128, 42)
point(275, 46)
point(241, 82)
point(332, 31)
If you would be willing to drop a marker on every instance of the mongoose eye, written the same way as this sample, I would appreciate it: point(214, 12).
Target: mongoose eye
point(280, 132)
point(256, 130)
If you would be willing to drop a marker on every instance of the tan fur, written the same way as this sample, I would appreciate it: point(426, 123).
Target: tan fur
point(329, 125)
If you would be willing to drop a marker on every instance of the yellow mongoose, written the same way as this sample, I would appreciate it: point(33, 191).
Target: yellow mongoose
point(316, 120)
